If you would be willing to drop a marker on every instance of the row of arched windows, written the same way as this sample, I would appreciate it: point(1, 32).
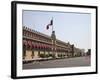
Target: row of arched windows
point(35, 36)
point(62, 44)
point(37, 45)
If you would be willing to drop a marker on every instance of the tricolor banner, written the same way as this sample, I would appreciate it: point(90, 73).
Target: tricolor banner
point(50, 24)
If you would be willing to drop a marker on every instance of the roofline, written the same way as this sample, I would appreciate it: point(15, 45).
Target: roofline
point(44, 35)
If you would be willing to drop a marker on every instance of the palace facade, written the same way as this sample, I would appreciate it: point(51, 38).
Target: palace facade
point(37, 45)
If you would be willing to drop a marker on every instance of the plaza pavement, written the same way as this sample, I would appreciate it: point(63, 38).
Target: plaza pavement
point(59, 63)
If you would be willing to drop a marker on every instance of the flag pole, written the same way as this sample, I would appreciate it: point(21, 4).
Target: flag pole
point(52, 39)
point(52, 24)
point(53, 47)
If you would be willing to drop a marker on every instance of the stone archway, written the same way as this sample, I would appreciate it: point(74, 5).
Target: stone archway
point(28, 55)
point(36, 54)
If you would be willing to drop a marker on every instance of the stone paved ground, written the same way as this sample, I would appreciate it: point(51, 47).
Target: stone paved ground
point(68, 62)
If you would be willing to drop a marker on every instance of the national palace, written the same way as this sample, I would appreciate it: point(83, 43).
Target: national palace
point(37, 45)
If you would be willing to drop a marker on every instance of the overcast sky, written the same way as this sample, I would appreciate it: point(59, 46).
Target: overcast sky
point(69, 27)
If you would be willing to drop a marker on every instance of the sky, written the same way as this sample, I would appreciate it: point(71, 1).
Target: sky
point(74, 28)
